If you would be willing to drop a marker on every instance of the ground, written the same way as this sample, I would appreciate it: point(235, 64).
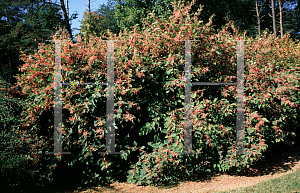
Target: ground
point(284, 160)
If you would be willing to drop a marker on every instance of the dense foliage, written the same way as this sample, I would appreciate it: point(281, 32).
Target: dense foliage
point(24, 24)
point(242, 13)
point(149, 93)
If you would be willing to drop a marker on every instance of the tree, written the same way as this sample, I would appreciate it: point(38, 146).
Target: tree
point(23, 25)
point(291, 19)
point(109, 22)
point(273, 17)
point(128, 13)
point(99, 21)
point(240, 13)
point(258, 16)
point(298, 15)
point(91, 24)
point(68, 27)
point(281, 24)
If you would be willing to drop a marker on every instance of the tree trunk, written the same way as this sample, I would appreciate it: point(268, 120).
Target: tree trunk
point(298, 15)
point(89, 5)
point(258, 15)
point(273, 17)
point(258, 18)
point(280, 12)
point(66, 19)
point(67, 8)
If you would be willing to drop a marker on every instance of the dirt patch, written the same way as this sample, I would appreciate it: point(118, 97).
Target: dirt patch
point(282, 160)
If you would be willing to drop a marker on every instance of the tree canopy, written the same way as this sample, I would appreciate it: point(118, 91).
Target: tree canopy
point(128, 13)
point(24, 24)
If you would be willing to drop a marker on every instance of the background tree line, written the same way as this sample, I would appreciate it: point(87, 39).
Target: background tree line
point(251, 15)
point(24, 24)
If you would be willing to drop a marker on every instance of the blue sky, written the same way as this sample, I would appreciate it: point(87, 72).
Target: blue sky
point(79, 6)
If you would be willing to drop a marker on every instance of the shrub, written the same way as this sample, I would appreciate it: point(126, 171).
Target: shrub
point(149, 91)
point(16, 171)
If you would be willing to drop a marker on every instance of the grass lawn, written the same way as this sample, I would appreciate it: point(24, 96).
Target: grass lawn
point(287, 183)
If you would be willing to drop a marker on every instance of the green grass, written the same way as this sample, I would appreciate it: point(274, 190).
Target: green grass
point(287, 183)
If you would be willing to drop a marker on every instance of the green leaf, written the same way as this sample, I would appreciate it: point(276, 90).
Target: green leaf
point(155, 145)
point(173, 135)
point(281, 75)
point(273, 90)
point(134, 143)
point(153, 124)
point(193, 95)
point(118, 116)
